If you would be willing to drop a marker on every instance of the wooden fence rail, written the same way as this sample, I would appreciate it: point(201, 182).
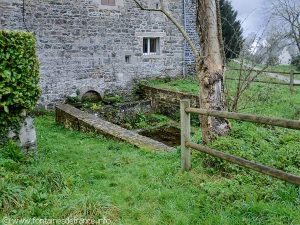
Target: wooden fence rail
point(291, 124)
point(266, 71)
point(266, 82)
point(291, 74)
point(186, 143)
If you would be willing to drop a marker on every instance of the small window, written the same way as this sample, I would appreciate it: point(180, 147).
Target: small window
point(151, 46)
point(108, 2)
point(128, 59)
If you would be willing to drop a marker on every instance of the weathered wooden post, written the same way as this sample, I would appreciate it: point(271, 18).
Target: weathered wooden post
point(292, 81)
point(185, 120)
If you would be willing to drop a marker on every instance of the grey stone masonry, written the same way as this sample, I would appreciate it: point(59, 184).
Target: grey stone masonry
point(84, 45)
point(190, 16)
point(25, 136)
point(73, 118)
point(167, 102)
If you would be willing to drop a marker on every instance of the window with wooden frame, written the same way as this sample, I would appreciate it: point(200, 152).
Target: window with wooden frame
point(151, 46)
point(108, 2)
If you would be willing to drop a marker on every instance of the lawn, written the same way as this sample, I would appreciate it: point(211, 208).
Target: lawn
point(277, 68)
point(259, 98)
point(284, 68)
point(87, 176)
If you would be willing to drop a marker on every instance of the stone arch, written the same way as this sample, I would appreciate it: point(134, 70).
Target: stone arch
point(90, 93)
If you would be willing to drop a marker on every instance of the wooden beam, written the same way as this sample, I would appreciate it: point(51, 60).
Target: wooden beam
point(260, 81)
point(292, 81)
point(264, 71)
point(246, 163)
point(292, 124)
point(185, 120)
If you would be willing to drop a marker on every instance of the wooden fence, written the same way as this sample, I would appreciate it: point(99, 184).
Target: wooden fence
point(186, 143)
point(291, 74)
point(268, 71)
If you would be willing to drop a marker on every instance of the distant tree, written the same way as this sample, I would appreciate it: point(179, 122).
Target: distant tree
point(287, 18)
point(232, 30)
point(296, 61)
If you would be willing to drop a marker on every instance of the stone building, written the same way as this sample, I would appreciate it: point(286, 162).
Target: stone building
point(101, 45)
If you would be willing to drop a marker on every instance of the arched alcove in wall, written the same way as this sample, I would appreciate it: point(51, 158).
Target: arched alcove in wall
point(90, 94)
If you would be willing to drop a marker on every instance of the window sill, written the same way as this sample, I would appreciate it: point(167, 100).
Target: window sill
point(117, 6)
point(108, 7)
point(152, 56)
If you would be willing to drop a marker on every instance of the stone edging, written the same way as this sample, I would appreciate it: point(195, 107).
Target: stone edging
point(167, 102)
point(163, 95)
point(76, 119)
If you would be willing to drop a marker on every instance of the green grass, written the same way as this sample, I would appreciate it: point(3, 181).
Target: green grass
point(269, 100)
point(278, 68)
point(283, 68)
point(86, 176)
point(259, 98)
point(187, 85)
point(145, 121)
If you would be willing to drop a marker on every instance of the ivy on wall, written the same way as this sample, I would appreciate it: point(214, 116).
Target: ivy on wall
point(19, 77)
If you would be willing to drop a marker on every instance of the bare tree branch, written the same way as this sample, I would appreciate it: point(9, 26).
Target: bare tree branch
point(163, 10)
point(288, 13)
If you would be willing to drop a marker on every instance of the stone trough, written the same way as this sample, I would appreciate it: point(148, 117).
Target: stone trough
point(76, 119)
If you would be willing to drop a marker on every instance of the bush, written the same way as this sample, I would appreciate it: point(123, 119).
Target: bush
point(12, 151)
point(296, 61)
point(11, 197)
point(19, 76)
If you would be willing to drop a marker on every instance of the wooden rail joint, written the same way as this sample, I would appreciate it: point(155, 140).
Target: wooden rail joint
point(247, 164)
point(186, 143)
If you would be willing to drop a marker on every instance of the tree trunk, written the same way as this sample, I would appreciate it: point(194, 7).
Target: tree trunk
point(210, 70)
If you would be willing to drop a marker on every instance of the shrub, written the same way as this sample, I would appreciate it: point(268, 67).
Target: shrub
point(11, 197)
point(296, 61)
point(19, 76)
point(92, 206)
point(12, 151)
point(52, 180)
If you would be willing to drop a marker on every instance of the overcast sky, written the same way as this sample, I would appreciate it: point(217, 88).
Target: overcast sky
point(250, 12)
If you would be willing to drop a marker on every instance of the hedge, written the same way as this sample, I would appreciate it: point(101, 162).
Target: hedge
point(19, 77)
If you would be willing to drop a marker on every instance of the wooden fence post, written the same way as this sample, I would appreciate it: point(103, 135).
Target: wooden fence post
point(292, 81)
point(185, 120)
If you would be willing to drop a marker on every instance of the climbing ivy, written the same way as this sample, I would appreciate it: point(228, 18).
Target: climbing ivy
point(19, 76)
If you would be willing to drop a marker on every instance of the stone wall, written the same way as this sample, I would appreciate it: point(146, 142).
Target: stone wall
point(167, 102)
point(118, 113)
point(25, 135)
point(82, 44)
point(190, 26)
point(75, 119)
